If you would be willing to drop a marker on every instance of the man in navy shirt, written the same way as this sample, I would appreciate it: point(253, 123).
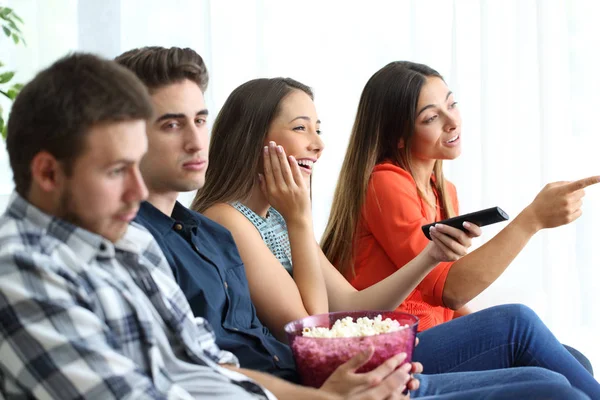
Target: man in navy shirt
point(202, 253)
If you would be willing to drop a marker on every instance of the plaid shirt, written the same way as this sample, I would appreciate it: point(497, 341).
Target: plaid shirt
point(70, 326)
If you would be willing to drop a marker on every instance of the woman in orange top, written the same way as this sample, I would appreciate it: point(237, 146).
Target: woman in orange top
point(392, 183)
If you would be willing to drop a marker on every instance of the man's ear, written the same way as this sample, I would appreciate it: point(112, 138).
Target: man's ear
point(46, 171)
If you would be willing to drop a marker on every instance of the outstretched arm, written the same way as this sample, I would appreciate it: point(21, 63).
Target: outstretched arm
point(557, 204)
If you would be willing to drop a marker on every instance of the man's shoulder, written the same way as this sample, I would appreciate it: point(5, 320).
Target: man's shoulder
point(208, 225)
point(20, 236)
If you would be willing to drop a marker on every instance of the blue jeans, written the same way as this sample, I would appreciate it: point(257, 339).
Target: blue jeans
point(529, 391)
point(498, 338)
point(511, 383)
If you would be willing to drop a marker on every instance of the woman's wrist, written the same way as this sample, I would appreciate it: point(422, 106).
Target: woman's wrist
point(527, 222)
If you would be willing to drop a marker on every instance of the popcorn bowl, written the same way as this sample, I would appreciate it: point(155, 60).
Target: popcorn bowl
point(317, 358)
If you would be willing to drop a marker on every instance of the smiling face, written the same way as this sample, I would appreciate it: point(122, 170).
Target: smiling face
point(437, 134)
point(177, 155)
point(297, 128)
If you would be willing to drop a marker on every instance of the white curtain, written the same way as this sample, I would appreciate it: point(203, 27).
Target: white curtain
point(525, 73)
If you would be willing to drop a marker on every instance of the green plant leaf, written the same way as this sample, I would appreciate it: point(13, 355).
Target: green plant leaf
point(15, 16)
point(7, 31)
point(13, 26)
point(4, 131)
point(2, 127)
point(15, 38)
point(1, 64)
point(7, 76)
point(12, 94)
point(17, 87)
point(5, 11)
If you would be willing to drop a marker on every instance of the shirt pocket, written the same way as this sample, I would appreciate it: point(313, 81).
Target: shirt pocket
point(241, 312)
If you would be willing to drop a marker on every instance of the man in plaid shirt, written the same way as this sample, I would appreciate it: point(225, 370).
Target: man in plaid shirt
point(88, 304)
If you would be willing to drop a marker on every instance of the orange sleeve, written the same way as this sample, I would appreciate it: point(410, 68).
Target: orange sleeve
point(394, 216)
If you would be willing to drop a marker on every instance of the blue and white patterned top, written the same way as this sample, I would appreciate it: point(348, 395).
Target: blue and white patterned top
point(85, 318)
point(273, 231)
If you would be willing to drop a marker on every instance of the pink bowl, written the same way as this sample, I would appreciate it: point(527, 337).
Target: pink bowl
point(317, 358)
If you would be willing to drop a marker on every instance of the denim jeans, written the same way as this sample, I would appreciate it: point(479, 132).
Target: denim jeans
point(525, 390)
point(519, 382)
point(498, 339)
point(583, 360)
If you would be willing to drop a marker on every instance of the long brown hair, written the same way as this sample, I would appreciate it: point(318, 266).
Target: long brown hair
point(386, 114)
point(237, 139)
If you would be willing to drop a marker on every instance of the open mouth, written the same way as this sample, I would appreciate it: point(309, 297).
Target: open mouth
point(306, 165)
point(453, 139)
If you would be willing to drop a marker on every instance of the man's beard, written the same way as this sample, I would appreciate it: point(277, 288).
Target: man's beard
point(66, 209)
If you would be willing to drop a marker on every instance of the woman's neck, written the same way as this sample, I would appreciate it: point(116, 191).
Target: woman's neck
point(421, 171)
point(257, 202)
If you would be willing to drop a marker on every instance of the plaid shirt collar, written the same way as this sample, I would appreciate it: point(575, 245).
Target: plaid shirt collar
point(85, 244)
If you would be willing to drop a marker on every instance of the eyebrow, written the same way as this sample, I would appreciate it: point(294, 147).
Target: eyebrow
point(179, 115)
point(431, 105)
point(125, 161)
point(304, 117)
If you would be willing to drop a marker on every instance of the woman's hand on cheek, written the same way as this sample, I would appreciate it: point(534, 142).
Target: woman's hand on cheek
point(283, 185)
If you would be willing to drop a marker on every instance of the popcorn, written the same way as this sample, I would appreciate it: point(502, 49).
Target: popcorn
point(346, 327)
point(318, 351)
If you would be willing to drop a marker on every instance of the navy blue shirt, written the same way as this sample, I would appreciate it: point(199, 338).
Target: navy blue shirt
point(208, 268)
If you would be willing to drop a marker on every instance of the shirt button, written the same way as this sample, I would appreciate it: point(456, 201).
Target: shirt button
point(178, 227)
point(226, 286)
point(276, 358)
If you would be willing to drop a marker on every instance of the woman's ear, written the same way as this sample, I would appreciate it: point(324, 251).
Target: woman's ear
point(401, 143)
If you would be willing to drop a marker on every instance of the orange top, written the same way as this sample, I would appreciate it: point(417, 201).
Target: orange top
point(389, 236)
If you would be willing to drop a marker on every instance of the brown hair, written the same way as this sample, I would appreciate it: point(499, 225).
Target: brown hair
point(55, 111)
point(159, 66)
point(237, 139)
point(386, 114)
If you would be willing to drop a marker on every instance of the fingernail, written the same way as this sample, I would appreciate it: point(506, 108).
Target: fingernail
point(291, 158)
point(272, 144)
point(406, 366)
point(279, 149)
point(466, 224)
point(266, 149)
point(401, 356)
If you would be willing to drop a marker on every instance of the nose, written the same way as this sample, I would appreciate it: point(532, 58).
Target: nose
point(136, 187)
point(452, 121)
point(196, 138)
point(316, 144)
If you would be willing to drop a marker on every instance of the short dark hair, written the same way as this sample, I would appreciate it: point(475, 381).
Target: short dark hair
point(158, 66)
point(55, 110)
